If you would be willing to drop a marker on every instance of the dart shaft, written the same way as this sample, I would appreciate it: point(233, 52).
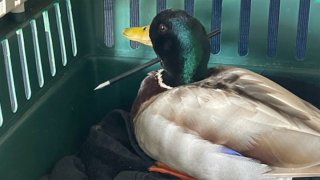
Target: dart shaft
point(139, 68)
point(128, 73)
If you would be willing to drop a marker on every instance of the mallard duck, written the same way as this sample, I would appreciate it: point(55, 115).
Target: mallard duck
point(219, 122)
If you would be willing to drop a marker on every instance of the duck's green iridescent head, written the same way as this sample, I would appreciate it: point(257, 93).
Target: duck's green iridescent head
point(181, 42)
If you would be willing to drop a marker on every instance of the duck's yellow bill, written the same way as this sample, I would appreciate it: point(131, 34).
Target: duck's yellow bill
point(138, 34)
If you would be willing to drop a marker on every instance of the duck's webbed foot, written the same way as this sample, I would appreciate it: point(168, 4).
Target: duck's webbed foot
point(163, 168)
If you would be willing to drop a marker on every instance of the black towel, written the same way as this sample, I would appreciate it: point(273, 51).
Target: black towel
point(109, 152)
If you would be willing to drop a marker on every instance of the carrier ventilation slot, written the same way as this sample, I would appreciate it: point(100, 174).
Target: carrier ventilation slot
point(161, 5)
point(302, 32)
point(49, 43)
point(37, 55)
point(37, 52)
point(108, 23)
point(1, 116)
point(216, 24)
point(134, 19)
point(189, 6)
point(9, 74)
point(71, 27)
point(273, 24)
point(60, 32)
point(24, 65)
point(244, 27)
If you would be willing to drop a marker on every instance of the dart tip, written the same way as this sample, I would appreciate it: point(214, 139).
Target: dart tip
point(102, 85)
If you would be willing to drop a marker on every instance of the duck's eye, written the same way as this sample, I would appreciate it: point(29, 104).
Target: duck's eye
point(163, 28)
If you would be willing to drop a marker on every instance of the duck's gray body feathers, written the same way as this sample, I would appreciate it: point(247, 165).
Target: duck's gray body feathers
point(188, 126)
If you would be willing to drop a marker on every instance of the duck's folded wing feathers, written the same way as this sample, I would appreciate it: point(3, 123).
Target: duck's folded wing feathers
point(241, 123)
point(259, 88)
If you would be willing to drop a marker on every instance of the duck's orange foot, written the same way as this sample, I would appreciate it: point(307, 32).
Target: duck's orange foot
point(162, 168)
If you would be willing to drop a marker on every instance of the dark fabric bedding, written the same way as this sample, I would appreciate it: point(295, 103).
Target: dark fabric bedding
point(109, 152)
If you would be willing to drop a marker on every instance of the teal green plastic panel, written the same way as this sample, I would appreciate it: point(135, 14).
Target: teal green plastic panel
point(286, 52)
point(47, 119)
point(26, 67)
point(51, 126)
point(312, 54)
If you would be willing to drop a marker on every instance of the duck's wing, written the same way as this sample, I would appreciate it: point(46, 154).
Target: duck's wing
point(293, 122)
point(258, 88)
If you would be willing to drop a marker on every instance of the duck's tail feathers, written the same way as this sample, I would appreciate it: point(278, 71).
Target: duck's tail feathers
point(313, 171)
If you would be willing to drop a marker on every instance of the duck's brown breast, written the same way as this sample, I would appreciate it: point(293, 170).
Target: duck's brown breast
point(148, 88)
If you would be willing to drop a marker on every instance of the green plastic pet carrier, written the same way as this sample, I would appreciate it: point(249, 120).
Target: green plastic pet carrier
point(54, 53)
